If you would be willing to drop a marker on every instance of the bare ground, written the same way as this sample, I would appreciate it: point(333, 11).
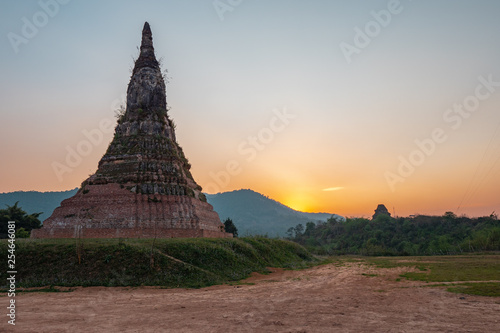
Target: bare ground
point(325, 298)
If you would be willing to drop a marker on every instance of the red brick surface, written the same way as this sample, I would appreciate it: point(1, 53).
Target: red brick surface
point(109, 211)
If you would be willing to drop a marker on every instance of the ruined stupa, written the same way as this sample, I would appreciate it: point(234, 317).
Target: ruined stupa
point(381, 210)
point(143, 187)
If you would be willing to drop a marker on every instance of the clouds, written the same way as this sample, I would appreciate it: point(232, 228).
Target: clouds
point(330, 189)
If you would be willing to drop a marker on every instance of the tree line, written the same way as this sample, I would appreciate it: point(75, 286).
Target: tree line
point(384, 235)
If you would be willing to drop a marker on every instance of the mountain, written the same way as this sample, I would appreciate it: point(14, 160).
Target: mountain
point(36, 202)
point(254, 213)
point(251, 212)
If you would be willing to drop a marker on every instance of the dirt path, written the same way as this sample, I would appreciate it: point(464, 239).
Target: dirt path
point(321, 299)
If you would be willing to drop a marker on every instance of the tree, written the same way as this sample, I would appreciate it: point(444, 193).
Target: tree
point(22, 219)
point(230, 227)
point(449, 216)
point(22, 233)
point(416, 235)
point(309, 228)
point(299, 229)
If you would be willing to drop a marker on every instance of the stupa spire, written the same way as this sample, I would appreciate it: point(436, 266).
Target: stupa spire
point(146, 90)
point(147, 56)
point(146, 32)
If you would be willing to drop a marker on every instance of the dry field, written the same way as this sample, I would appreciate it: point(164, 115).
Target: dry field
point(346, 297)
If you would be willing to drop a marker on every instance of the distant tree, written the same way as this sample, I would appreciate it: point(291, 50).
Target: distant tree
point(309, 228)
point(290, 232)
point(382, 218)
point(230, 227)
point(299, 229)
point(22, 219)
point(450, 216)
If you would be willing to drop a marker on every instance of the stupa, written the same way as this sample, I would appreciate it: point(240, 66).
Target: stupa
point(381, 210)
point(142, 187)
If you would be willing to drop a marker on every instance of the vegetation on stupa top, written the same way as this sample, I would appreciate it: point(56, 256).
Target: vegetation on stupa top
point(155, 114)
point(384, 235)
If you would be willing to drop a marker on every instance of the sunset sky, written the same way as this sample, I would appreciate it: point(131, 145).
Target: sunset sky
point(325, 106)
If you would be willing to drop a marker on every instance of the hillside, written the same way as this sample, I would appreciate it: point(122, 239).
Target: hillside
point(251, 212)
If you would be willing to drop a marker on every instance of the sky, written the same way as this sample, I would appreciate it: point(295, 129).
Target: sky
point(323, 105)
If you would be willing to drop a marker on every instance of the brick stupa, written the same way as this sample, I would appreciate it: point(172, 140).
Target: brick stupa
point(143, 187)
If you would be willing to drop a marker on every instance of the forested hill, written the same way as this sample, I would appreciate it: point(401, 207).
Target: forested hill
point(420, 235)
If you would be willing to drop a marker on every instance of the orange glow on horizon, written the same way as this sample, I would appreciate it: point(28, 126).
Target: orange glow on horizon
point(297, 202)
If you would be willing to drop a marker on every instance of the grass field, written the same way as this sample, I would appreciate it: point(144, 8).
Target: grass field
point(190, 263)
point(467, 274)
point(200, 262)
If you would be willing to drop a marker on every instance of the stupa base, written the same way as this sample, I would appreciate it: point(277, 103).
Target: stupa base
point(77, 232)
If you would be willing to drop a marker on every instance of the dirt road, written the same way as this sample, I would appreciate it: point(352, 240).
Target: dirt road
point(326, 298)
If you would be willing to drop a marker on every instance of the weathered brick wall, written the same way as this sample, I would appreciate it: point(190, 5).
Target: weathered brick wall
point(109, 211)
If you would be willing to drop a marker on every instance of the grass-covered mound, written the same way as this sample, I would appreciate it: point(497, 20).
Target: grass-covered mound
point(190, 263)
